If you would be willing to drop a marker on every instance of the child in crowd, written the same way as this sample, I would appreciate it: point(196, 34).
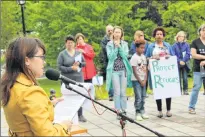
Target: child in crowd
point(139, 79)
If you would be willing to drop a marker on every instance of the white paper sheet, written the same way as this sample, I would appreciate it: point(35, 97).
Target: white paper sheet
point(67, 109)
point(78, 58)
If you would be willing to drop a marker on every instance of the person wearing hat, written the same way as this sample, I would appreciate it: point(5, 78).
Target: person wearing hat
point(71, 68)
point(198, 54)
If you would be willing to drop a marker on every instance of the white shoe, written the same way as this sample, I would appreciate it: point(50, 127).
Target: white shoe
point(144, 116)
point(139, 118)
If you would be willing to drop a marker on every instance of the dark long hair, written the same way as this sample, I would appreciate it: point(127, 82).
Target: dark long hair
point(16, 53)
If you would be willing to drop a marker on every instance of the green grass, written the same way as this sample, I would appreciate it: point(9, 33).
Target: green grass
point(48, 84)
point(100, 92)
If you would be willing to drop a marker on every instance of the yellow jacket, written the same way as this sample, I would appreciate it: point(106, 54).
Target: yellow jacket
point(29, 111)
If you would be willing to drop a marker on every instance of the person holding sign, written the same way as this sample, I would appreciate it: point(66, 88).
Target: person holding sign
point(139, 79)
point(119, 70)
point(70, 61)
point(198, 54)
point(27, 107)
point(181, 50)
point(158, 50)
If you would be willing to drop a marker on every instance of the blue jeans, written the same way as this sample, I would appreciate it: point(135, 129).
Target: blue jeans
point(140, 95)
point(183, 76)
point(111, 92)
point(195, 91)
point(119, 82)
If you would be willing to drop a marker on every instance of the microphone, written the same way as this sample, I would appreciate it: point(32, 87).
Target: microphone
point(53, 74)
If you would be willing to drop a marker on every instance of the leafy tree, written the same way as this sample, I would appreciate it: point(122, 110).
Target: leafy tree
point(10, 22)
point(51, 21)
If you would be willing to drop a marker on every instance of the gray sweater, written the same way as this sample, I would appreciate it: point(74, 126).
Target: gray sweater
point(65, 62)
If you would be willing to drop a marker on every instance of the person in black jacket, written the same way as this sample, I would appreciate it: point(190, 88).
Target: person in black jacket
point(103, 55)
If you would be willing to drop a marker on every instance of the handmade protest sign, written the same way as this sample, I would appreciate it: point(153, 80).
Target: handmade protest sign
point(165, 78)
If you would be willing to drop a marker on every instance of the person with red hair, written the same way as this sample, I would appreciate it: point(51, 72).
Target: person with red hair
point(89, 71)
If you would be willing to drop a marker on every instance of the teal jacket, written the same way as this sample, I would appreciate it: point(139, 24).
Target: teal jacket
point(112, 55)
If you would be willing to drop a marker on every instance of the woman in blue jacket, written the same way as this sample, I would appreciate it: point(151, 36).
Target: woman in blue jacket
point(119, 70)
point(156, 50)
point(181, 50)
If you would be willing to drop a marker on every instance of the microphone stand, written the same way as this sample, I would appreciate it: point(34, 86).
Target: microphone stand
point(123, 116)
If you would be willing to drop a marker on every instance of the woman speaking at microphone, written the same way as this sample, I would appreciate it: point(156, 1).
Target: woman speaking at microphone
point(27, 108)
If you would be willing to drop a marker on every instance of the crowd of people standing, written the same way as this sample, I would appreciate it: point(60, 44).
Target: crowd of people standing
point(25, 60)
point(116, 61)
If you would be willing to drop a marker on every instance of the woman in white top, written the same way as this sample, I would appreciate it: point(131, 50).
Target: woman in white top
point(156, 50)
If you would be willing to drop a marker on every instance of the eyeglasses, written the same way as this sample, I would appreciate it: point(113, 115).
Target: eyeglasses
point(43, 57)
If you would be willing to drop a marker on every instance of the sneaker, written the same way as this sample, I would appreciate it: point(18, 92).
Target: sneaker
point(160, 115)
point(110, 98)
point(82, 119)
point(139, 118)
point(123, 112)
point(144, 116)
point(169, 114)
point(118, 117)
point(186, 92)
point(192, 111)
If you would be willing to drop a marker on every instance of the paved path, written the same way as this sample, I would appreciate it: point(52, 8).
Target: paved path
point(180, 124)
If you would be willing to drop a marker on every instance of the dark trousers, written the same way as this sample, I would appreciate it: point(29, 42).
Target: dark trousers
point(111, 91)
point(168, 103)
point(184, 78)
point(88, 80)
point(80, 111)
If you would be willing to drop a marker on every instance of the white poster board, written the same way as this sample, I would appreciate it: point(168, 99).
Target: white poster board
point(165, 78)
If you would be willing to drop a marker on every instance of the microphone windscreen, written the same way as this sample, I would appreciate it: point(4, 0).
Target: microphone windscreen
point(52, 74)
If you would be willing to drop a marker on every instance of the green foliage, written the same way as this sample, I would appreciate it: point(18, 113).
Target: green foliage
point(100, 92)
point(184, 16)
point(2, 59)
point(10, 22)
point(51, 21)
